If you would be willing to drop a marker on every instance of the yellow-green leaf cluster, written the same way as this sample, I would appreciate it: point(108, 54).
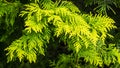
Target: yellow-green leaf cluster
point(27, 47)
point(80, 32)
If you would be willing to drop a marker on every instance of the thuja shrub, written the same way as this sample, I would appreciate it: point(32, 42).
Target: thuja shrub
point(83, 34)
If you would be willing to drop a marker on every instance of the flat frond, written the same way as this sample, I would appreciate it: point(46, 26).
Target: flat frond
point(26, 47)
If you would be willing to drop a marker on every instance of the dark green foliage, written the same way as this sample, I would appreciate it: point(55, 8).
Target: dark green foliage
point(8, 14)
point(102, 6)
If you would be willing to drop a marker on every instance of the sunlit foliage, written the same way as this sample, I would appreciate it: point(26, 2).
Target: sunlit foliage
point(83, 34)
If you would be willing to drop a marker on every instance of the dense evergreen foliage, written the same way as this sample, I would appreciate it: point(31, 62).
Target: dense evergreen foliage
point(59, 34)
